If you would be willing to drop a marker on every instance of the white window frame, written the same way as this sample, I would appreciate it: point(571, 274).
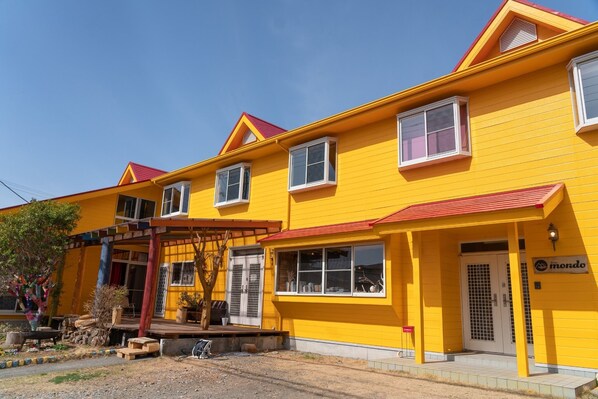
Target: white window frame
point(582, 123)
point(243, 166)
point(457, 152)
point(185, 189)
point(124, 219)
point(322, 292)
point(183, 265)
point(327, 180)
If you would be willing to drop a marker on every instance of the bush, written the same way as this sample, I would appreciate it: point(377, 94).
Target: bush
point(102, 300)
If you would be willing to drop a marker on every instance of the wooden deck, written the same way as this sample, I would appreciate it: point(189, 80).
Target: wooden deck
point(162, 328)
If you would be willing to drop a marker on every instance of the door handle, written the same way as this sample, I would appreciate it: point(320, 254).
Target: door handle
point(495, 299)
point(505, 301)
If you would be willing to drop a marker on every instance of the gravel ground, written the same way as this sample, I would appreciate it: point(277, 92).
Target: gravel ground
point(282, 374)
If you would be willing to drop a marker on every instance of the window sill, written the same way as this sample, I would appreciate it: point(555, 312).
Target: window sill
point(341, 294)
point(432, 161)
point(313, 186)
point(586, 127)
point(176, 215)
point(230, 203)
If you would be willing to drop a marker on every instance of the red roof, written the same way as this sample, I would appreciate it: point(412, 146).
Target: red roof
point(331, 229)
point(143, 173)
point(534, 197)
point(265, 128)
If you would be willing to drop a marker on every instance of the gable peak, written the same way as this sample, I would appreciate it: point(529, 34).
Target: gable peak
point(249, 129)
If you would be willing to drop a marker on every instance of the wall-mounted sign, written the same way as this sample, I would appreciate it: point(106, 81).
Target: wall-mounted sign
point(561, 264)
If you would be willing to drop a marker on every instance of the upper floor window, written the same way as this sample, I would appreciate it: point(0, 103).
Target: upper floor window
point(345, 270)
point(232, 185)
point(312, 164)
point(132, 208)
point(8, 304)
point(435, 132)
point(583, 79)
point(175, 201)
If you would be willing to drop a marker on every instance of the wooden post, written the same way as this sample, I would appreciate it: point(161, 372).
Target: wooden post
point(517, 298)
point(415, 242)
point(145, 320)
point(78, 282)
point(105, 261)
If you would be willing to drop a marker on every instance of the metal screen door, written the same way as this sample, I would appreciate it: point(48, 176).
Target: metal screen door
point(487, 306)
point(161, 291)
point(245, 289)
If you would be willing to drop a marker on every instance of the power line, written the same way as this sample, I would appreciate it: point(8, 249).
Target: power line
point(13, 191)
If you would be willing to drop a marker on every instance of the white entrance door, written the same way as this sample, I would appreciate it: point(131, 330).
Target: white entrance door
point(245, 289)
point(487, 306)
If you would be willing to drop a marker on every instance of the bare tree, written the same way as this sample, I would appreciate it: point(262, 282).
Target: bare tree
point(207, 265)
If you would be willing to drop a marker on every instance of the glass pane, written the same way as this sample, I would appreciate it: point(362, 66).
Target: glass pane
point(167, 201)
point(147, 209)
point(232, 194)
point(126, 206)
point(315, 172)
point(234, 176)
point(413, 137)
point(589, 83)
point(332, 162)
point(188, 273)
point(222, 184)
point(338, 258)
point(464, 131)
point(338, 282)
point(315, 153)
point(8, 302)
point(310, 259)
point(310, 282)
point(369, 268)
point(176, 199)
point(441, 141)
point(287, 272)
point(246, 179)
point(176, 273)
point(120, 254)
point(440, 118)
point(298, 163)
point(187, 189)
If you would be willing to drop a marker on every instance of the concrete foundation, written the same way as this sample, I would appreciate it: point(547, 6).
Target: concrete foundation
point(183, 346)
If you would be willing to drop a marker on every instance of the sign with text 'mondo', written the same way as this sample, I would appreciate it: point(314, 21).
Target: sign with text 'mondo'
point(561, 264)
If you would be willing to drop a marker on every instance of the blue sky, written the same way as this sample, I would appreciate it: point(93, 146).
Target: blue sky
point(87, 86)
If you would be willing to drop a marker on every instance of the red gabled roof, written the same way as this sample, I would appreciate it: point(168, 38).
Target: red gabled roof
point(534, 197)
point(143, 173)
point(265, 128)
point(331, 229)
point(493, 17)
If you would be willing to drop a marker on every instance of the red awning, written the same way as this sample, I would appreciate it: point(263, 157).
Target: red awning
point(534, 199)
point(332, 229)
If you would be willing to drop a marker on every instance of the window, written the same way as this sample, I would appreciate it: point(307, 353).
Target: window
point(8, 304)
point(312, 164)
point(131, 208)
point(436, 132)
point(175, 201)
point(583, 79)
point(346, 270)
point(183, 273)
point(232, 185)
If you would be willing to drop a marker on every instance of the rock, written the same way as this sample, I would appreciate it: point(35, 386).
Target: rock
point(14, 339)
point(249, 348)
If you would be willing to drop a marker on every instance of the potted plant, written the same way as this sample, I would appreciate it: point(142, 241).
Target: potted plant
point(189, 306)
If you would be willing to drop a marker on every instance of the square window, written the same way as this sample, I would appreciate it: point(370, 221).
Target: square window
point(232, 185)
point(434, 133)
point(175, 201)
point(183, 273)
point(583, 80)
point(312, 165)
point(132, 208)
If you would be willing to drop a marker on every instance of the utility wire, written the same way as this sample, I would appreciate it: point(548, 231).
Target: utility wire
point(13, 191)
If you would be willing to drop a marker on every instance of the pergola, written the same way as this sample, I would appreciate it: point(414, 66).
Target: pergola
point(157, 232)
